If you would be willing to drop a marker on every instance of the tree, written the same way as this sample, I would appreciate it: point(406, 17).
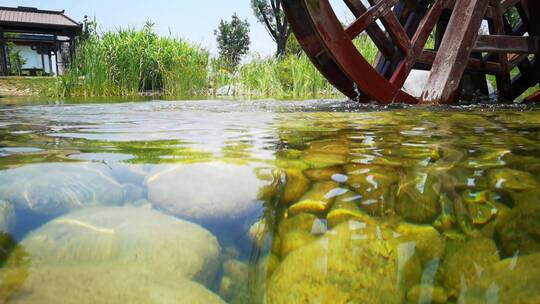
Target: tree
point(233, 39)
point(293, 46)
point(16, 60)
point(271, 14)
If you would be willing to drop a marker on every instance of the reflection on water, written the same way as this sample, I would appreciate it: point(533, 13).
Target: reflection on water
point(268, 202)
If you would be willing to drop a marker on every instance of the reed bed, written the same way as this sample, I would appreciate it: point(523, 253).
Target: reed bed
point(263, 77)
point(128, 62)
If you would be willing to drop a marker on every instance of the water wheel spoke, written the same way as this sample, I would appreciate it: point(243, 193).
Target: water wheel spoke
point(373, 30)
point(396, 31)
point(456, 47)
point(419, 41)
point(375, 12)
point(497, 27)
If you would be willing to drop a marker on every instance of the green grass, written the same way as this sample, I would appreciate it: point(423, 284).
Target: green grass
point(27, 86)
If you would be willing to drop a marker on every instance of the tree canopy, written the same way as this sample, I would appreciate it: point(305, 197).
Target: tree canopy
point(271, 14)
point(233, 39)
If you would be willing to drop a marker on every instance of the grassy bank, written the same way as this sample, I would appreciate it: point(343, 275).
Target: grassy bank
point(130, 62)
point(27, 86)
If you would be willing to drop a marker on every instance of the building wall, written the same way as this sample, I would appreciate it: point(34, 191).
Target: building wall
point(33, 59)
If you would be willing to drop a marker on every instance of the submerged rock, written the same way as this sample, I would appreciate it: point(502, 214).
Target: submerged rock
point(509, 179)
point(418, 197)
point(463, 267)
point(428, 241)
point(294, 239)
point(7, 217)
point(334, 146)
point(321, 159)
point(481, 206)
point(375, 185)
point(424, 294)
point(58, 188)
point(323, 174)
point(80, 284)
point(318, 199)
point(208, 192)
point(519, 230)
point(354, 263)
point(257, 232)
point(447, 218)
point(234, 284)
point(297, 184)
point(302, 221)
point(513, 280)
point(346, 208)
point(129, 236)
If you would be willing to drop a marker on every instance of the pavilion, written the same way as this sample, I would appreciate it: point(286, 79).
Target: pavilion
point(45, 39)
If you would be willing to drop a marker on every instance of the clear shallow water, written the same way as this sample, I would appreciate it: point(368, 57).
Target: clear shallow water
point(276, 202)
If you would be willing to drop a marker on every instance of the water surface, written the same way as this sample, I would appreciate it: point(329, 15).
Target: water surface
point(268, 202)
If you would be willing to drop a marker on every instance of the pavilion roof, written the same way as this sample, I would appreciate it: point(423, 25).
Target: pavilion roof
point(32, 19)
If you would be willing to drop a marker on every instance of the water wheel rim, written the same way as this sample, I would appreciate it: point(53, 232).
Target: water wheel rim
point(350, 61)
point(316, 52)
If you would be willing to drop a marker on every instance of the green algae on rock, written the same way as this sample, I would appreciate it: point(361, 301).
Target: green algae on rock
point(302, 221)
point(463, 266)
point(510, 179)
point(322, 160)
point(447, 218)
point(418, 197)
point(127, 236)
point(375, 184)
point(346, 208)
point(352, 263)
point(81, 284)
point(427, 294)
point(323, 174)
point(297, 184)
point(317, 200)
point(294, 239)
point(481, 205)
point(429, 243)
point(519, 230)
point(58, 188)
point(513, 280)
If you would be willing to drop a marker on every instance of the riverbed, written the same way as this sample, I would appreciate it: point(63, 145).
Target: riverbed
point(228, 201)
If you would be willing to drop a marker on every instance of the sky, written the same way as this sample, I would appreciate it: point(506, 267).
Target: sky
point(194, 20)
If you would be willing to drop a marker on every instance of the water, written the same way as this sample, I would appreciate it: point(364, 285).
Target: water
point(276, 202)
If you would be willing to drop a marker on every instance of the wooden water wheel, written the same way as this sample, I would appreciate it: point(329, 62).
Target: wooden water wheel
point(460, 42)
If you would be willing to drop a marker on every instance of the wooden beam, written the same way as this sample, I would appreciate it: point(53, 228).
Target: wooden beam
point(426, 59)
point(507, 44)
point(455, 50)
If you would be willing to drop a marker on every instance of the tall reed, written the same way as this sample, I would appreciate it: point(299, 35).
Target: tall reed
point(128, 62)
point(262, 77)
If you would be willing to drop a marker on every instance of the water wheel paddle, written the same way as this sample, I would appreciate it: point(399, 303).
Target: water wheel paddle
point(459, 61)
